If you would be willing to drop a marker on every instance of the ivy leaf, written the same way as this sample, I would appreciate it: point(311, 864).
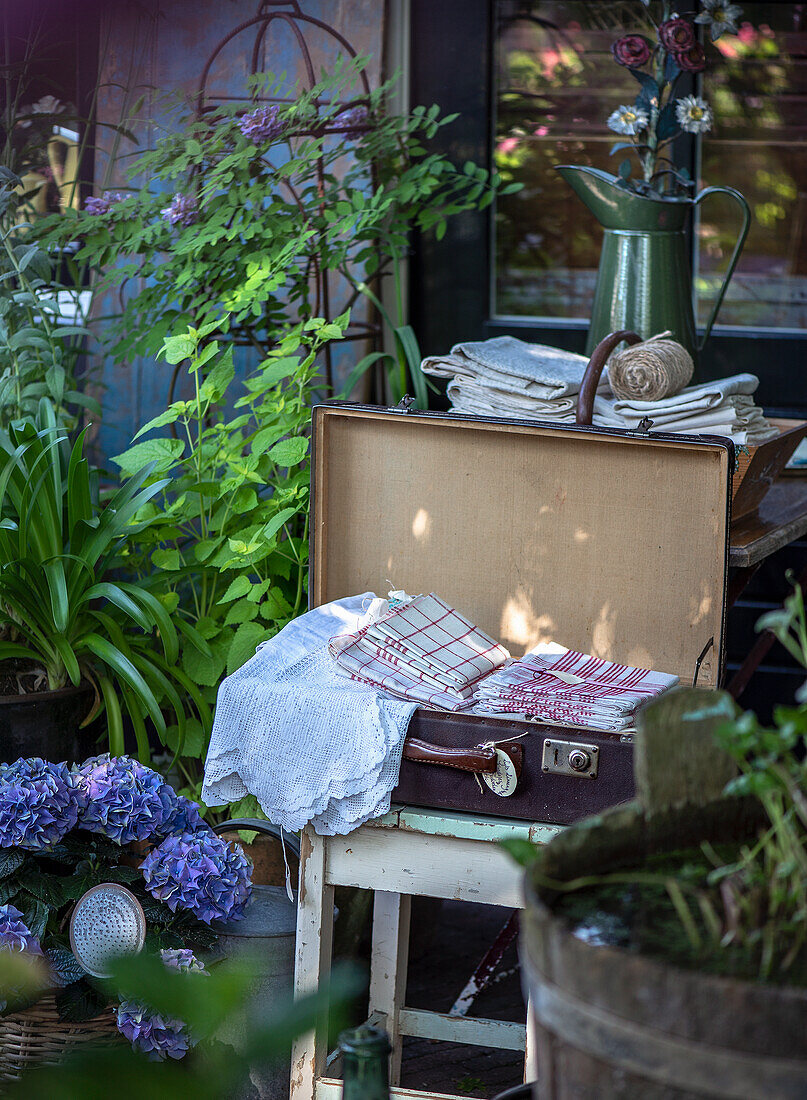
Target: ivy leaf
point(624, 169)
point(241, 612)
point(276, 522)
point(215, 385)
point(288, 452)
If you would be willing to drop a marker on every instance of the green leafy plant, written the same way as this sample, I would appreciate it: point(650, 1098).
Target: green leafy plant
point(212, 1070)
point(225, 539)
point(252, 223)
point(60, 604)
point(37, 352)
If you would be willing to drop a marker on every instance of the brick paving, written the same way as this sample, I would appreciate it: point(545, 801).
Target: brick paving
point(447, 942)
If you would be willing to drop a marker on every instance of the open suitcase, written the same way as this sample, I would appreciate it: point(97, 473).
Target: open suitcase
point(610, 542)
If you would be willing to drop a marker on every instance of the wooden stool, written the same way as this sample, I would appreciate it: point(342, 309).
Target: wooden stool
point(407, 852)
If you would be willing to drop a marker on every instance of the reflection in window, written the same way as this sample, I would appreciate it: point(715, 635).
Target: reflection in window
point(555, 85)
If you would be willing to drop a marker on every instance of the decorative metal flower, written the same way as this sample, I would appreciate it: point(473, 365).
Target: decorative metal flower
point(39, 803)
point(719, 17)
point(628, 120)
point(694, 114)
point(201, 873)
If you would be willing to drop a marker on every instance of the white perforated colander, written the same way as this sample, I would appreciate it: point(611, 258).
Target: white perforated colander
point(107, 922)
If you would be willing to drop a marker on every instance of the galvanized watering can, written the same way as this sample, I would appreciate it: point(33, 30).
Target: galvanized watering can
point(644, 282)
point(265, 937)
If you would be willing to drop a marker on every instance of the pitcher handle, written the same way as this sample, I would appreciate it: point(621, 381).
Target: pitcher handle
point(738, 247)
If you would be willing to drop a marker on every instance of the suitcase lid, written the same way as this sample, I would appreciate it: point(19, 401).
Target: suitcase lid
point(609, 542)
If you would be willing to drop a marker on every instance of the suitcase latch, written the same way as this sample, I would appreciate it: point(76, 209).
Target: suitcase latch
point(570, 758)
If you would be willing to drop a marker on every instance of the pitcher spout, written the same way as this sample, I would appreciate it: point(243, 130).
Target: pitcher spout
point(616, 207)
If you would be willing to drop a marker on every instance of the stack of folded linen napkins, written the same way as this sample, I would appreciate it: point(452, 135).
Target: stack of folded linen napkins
point(508, 377)
point(422, 649)
point(722, 407)
point(570, 688)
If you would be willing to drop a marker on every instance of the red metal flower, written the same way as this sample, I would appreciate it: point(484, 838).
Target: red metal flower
point(692, 60)
point(676, 35)
point(631, 50)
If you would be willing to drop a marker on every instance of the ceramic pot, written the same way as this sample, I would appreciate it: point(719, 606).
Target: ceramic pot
point(644, 282)
point(48, 724)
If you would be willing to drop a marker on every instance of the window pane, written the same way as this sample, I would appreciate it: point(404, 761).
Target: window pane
point(551, 69)
point(555, 85)
point(759, 146)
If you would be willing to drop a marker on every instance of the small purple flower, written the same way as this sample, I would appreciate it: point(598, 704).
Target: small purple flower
point(15, 935)
point(353, 121)
point(181, 959)
point(182, 210)
point(262, 124)
point(201, 873)
point(158, 1037)
point(123, 799)
point(103, 205)
point(39, 803)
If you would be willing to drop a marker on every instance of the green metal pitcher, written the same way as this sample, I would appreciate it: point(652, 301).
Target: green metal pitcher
point(644, 282)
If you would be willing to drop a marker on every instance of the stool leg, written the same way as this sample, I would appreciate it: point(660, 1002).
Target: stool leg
point(388, 965)
point(313, 959)
point(531, 1047)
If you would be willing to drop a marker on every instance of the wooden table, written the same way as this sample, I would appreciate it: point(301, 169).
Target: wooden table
point(781, 519)
point(411, 851)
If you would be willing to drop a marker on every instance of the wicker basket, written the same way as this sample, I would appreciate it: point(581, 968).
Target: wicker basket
point(37, 1036)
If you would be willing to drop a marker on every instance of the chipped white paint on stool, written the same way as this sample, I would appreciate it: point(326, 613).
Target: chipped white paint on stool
point(408, 852)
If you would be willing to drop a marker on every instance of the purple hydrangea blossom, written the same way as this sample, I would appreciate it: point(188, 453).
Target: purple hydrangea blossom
point(354, 121)
point(103, 204)
point(183, 815)
point(124, 800)
point(15, 935)
point(181, 959)
point(39, 803)
point(182, 211)
point(201, 873)
point(158, 1037)
point(262, 124)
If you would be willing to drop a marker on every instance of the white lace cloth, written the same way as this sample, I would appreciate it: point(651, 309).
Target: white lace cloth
point(311, 745)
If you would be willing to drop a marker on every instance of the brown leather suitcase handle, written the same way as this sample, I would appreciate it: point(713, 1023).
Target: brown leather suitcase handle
point(476, 759)
point(596, 364)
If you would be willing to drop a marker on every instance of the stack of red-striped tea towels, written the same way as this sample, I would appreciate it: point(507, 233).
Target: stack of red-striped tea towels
point(425, 650)
point(420, 649)
point(570, 688)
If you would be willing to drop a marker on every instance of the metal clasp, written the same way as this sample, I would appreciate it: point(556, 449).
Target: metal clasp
point(570, 758)
point(405, 404)
point(643, 427)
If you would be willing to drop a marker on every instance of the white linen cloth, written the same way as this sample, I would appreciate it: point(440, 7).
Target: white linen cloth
point(423, 650)
point(311, 745)
point(571, 688)
point(507, 377)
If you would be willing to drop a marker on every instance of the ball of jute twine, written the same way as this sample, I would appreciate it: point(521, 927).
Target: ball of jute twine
point(651, 370)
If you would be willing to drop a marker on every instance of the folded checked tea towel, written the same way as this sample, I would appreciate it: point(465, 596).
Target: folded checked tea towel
point(422, 649)
point(571, 688)
point(310, 744)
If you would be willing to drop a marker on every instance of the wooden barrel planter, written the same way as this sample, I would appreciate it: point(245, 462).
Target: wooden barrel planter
point(613, 1023)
